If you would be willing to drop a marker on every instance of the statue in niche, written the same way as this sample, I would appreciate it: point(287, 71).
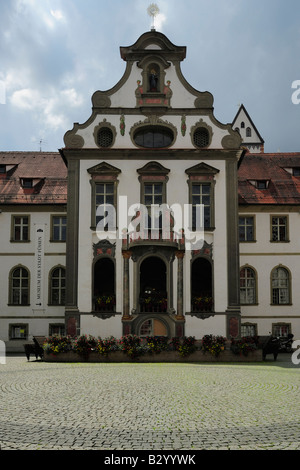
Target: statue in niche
point(153, 80)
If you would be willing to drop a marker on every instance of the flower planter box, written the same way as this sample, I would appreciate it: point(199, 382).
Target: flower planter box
point(164, 356)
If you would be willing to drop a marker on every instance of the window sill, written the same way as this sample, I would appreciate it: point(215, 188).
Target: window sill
point(18, 339)
point(20, 241)
point(281, 305)
point(18, 305)
point(249, 305)
point(279, 241)
point(57, 241)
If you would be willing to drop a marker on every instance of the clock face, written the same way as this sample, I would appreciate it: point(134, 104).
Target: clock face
point(153, 10)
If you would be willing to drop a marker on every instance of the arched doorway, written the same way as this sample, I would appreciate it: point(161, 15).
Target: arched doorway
point(104, 297)
point(153, 285)
point(201, 286)
point(153, 327)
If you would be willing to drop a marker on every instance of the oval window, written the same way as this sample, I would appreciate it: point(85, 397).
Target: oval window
point(201, 137)
point(105, 137)
point(156, 137)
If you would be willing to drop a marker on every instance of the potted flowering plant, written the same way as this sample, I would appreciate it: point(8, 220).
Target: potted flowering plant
point(244, 345)
point(213, 344)
point(202, 303)
point(105, 302)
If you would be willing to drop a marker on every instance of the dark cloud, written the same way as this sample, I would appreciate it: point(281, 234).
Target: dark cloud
point(58, 52)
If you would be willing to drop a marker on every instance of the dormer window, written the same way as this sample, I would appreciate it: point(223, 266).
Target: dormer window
point(27, 183)
point(262, 184)
point(296, 171)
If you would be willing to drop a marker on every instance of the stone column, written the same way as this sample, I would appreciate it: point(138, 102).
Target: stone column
point(126, 257)
point(180, 256)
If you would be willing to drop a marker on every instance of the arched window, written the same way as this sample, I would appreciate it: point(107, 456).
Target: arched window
point(154, 137)
point(58, 286)
point(247, 286)
point(19, 286)
point(280, 280)
point(201, 286)
point(242, 125)
point(248, 132)
point(104, 285)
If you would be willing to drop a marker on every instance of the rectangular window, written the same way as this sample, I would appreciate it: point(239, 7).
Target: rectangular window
point(281, 329)
point(153, 195)
point(248, 330)
point(104, 195)
point(246, 229)
point(59, 228)
point(2, 169)
point(18, 331)
point(58, 330)
point(296, 171)
point(27, 183)
point(20, 229)
point(279, 232)
point(201, 195)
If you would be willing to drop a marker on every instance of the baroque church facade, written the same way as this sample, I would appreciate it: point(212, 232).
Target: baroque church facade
point(157, 225)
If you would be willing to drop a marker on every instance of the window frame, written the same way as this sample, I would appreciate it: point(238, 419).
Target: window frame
point(13, 228)
point(288, 288)
point(53, 225)
point(101, 174)
point(286, 225)
point(60, 288)
point(61, 326)
point(11, 329)
point(249, 325)
point(203, 174)
point(11, 287)
point(246, 216)
point(280, 325)
point(254, 287)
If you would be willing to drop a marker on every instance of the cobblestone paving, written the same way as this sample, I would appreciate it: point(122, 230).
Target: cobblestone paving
point(149, 406)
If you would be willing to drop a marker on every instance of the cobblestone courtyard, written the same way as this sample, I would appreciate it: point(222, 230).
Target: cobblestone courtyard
point(83, 406)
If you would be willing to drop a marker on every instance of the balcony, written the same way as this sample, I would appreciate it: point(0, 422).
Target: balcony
point(153, 237)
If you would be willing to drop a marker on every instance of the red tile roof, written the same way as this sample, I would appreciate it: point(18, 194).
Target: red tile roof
point(283, 187)
point(48, 171)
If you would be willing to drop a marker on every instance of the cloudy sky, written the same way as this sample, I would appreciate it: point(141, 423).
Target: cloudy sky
point(55, 53)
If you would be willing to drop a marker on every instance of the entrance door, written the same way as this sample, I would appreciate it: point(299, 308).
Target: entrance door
point(153, 285)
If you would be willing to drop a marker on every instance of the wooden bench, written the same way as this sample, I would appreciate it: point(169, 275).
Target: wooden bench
point(35, 348)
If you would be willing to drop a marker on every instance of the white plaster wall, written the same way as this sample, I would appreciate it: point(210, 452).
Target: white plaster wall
point(101, 328)
point(210, 326)
point(13, 254)
point(125, 141)
point(177, 191)
point(264, 256)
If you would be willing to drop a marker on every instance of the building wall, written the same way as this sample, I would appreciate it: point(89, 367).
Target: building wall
point(264, 255)
point(36, 317)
